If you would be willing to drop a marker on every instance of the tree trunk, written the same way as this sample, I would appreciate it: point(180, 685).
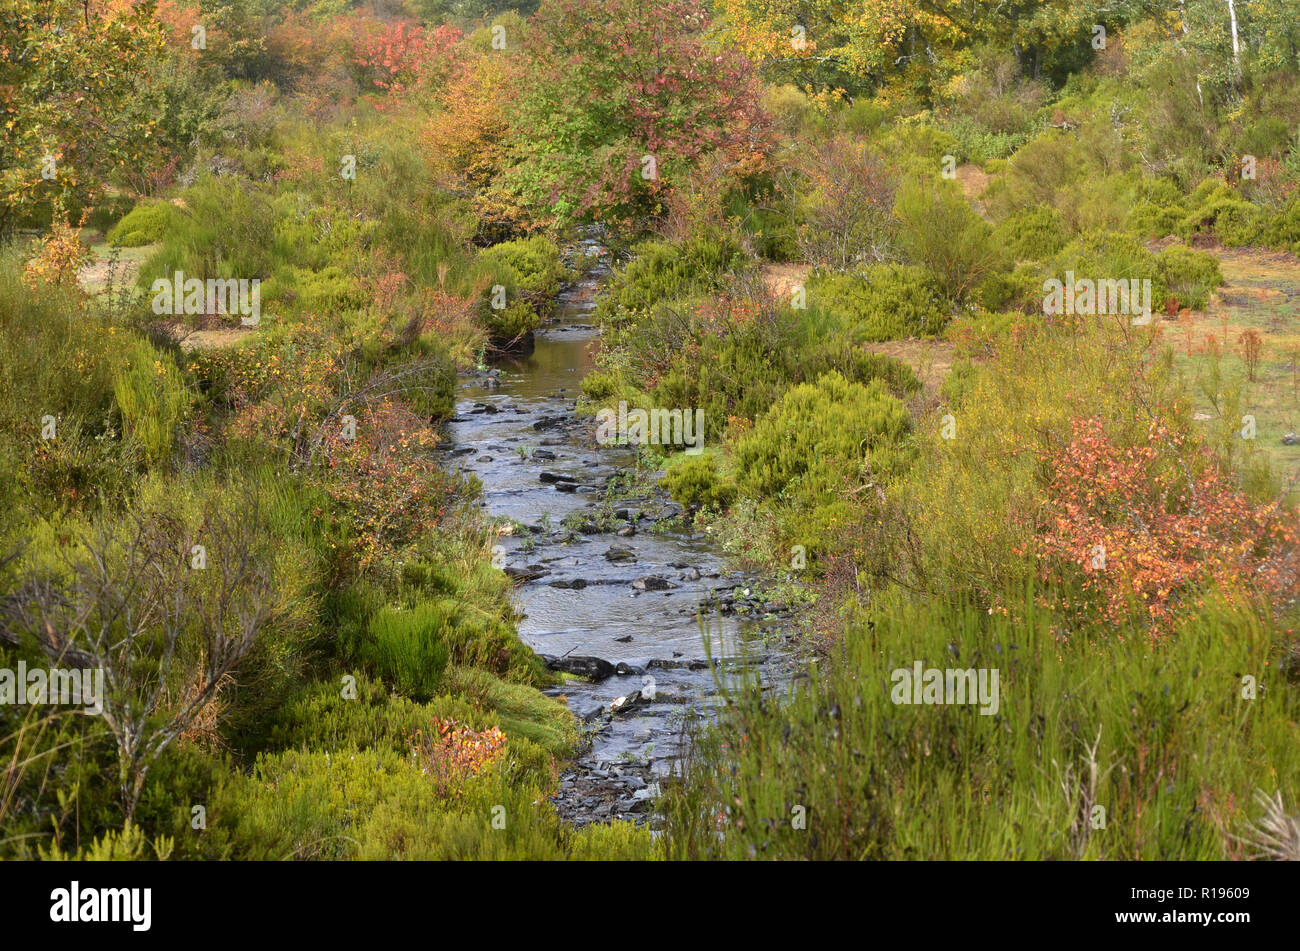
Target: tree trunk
point(1236, 48)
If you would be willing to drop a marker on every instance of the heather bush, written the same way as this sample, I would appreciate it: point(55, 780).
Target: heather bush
point(146, 223)
point(884, 302)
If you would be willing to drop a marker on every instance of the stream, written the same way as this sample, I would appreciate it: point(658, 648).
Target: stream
point(619, 589)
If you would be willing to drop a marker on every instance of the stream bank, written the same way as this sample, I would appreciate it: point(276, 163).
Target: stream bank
point(614, 586)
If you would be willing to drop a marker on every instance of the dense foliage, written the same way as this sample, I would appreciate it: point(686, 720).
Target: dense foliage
point(834, 226)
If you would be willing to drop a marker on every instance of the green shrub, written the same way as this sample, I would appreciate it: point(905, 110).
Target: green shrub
point(1157, 208)
point(922, 146)
point(146, 223)
point(353, 804)
point(879, 772)
point(328, 291)
point(529, 272)
point(805, 457)
point(743, 371)
point(152, 398)
point(838, 353)
point(521, 711)
point(1021, 290)
point(788, 107)
point(887, 302)
point(1218, 209)
point(1233, 221)
point(1151, 219)
point(227, 230)
point(942, 233)
point(1267, 136)
point(1108, 255)
point(664, 272)
point(319, 717)
point(695, 482)
point(974, 143)
point(532, 264)
point(60, 360)
point(862, 117)
point(1190, 275)
point(316, 237)
point(1282, 230)
point(408, 648)
point(1031, 235)
point(818, 437)
point(598, 385)
point(477, 616)
point(510, 323)
point(1044, 172)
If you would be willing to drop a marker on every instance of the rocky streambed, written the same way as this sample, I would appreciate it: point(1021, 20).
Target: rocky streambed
point(617, 590)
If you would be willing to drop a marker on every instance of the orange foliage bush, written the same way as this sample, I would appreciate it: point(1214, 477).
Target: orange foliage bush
point(1151, 527)
point(452, 752)
point(59, 255)
point(402, 56)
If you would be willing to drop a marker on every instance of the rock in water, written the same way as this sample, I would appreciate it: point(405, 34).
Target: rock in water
point(530, 573)
point(624, 704)
point(593, 668)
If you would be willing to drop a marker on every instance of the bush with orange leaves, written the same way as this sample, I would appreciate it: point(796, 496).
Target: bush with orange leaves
point(59, 255)
point(1151, 528)
point(385, 481)
point(450, 752)
point(403, 56)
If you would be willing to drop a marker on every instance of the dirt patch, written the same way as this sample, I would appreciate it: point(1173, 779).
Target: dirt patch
point(781, 279)
point(973, 181)
point(930, 359)
point(1261, 293)
point(94, 277)
point(209, 337)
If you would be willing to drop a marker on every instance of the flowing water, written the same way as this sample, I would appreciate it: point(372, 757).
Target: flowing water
point(600, 575)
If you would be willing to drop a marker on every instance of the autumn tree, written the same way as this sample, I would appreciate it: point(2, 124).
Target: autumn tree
point(861, 46)
point(614, 110)
point(71, 115)
point(403, 56)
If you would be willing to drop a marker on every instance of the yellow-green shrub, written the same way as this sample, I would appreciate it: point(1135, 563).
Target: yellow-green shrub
point(884, 302)
point(817, 438)
point(695, 482)
point(146, 223)
point(152, 398)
